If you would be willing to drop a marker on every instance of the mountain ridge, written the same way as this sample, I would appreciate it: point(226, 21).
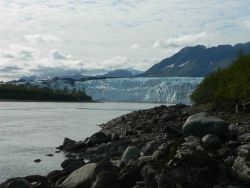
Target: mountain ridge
point(197, 61)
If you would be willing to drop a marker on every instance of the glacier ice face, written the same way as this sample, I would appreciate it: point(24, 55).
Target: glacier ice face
point(158, 90)
point(171, 90)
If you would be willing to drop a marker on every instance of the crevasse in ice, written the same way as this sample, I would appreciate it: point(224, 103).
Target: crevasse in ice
point(160, 90)
point(170, 90)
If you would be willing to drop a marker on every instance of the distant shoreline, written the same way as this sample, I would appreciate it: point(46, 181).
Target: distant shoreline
point(11, 100)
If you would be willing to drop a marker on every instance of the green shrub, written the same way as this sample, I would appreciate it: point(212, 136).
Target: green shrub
point(226, 86)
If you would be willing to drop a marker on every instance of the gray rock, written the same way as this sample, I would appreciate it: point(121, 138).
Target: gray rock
point(37, 160)
point(114, 137)
point(247, 139)
point(55, 175)
point(105, 180)
point(19, 183)
point(60, 180)
point(37, 181)
point(148, 174)
point(76, 147)
point(229, 160)
point(241, 166)
point(188, 166)
point(131, 152)
point(106, 151)
point(158, 155)
point(70, 165)
point(105, 175)
point(68, 142)
point(94, 175)
point(145, 159)
point(242, 137)
point(130, 174)
point(211, 141)
point(99, 138)
point(201, 124)
point(151, 146)
point(174, 131)
point(81, 177)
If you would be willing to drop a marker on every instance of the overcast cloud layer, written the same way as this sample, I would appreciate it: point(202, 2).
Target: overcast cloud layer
point(62, 37)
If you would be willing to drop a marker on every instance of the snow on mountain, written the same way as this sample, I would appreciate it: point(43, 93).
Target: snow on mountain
point(183, 64)
point(199, 61)
point(171, 66)
point(121, 73)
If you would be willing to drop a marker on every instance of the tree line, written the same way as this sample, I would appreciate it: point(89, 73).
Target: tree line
point(226, 86)
point(31, 93)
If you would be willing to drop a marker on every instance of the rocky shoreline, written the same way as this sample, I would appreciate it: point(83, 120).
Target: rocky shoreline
point(164, 147)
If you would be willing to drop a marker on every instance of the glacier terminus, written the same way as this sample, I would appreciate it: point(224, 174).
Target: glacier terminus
point(171, 90)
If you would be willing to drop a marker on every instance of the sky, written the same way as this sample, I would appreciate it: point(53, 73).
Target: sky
point(65, 37)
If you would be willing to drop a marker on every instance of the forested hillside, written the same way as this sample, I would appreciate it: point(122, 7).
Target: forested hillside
point(226, 86)
point(28, 93)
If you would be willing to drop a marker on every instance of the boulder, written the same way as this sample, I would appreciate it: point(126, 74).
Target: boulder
point(174, 131)
point(148, 173)
point(246, 105)
point(81, 177)
point(70, 165)
point(99, 138)
point(105, 151)
point(76, 147)
point(59, 181)
point(130, 174)
point(229, 160)
point(162, 151)
point(67, 143)
point(37, 160)
point(18, 183)
point(105, 175)
point(241, 166)
point(247, 139)
point(201, 124)
point(96, 175)
point(242, 137)
point(38, 181)
point(105, 180)
point(211, 141)
point(151, 146)
point(189, 166)
point(131, 152)
point(114, 137)
point(55, 175)
point(243, 107)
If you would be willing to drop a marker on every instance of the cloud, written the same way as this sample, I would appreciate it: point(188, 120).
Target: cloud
point(10, 69)
point(6, 55)
point(18, 52)
point(180, 41)
point(135, 47)
point(57, 55)
point(246, 23)
point(42, 38)
point(109, 34)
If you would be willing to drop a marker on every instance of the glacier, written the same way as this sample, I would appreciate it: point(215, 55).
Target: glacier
point(170, 90)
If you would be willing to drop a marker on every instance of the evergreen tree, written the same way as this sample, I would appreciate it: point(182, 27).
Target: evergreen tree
point(226, 86)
